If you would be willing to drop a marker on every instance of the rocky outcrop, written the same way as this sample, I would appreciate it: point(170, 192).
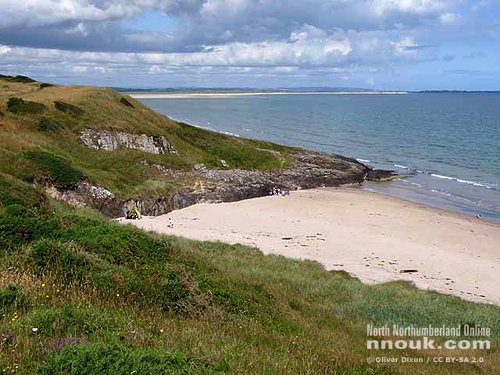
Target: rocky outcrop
point(380, 175)
point(87, 195)
point(111, 140)
point(309, 170)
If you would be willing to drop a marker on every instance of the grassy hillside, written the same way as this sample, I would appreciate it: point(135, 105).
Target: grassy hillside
point(51, 119)
point(107, 298)
point(80, 294)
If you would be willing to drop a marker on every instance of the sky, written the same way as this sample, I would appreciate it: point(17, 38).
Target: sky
point(376, 44)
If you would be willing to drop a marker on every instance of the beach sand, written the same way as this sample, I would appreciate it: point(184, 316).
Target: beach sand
point(374, 237)
point(200, 95)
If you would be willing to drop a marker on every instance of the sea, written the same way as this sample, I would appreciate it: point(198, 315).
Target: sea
point(447, 145)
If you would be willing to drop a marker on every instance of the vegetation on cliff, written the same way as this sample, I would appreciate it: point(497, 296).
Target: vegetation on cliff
point(84, 295)
point(29, 111)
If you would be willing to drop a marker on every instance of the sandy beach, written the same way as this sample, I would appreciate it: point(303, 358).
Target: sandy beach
point(374, 237)
point(187, 95)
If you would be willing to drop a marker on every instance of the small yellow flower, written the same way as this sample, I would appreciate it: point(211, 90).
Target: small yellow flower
point(161, 330)
point(118, 294)
point(43, 285)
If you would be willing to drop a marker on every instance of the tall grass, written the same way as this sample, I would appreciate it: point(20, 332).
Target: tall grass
point(94, 290)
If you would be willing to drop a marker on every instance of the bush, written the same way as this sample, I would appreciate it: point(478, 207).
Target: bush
point(126, 103)
point(22, 79)
point(44, 85)
point(20, 225)
point(14, 101)
point(114, 359)
point(14, 192)
point(58, 170)
point(117, 243)
point(47, 124)
point(68, 108)
point(176, 292)
point(13, 297)
point(19, 106)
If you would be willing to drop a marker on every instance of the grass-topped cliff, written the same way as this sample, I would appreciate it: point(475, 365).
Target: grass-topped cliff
point(80, 294)
point(62, 135)
point(51, 119)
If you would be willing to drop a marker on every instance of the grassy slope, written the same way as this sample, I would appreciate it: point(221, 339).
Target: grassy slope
point(122, 171)
point(190, 307)
point(129, 300)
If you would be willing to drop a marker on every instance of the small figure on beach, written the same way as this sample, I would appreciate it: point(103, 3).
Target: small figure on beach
point(279, 191)
point(170, 223)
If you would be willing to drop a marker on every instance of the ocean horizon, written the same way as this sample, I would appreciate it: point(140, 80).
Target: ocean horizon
point(445, 143)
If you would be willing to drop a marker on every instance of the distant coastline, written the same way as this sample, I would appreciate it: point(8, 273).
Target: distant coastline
point(181, 95)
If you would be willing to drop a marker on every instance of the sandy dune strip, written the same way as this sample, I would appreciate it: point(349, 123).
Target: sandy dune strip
point(200, 95)
point(372, 236)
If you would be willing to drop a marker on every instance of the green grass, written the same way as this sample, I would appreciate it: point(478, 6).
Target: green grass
point(81, 294)
point(96, 290)
point(66, 111)
point(58, 170)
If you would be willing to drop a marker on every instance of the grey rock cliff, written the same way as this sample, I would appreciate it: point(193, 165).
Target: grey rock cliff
point(309, 170)
point(111, 140)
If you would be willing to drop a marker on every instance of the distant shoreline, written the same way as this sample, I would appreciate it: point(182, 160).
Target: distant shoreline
point(182, 95)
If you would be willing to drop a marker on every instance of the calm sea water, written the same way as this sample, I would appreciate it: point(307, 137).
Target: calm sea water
point(447, 143)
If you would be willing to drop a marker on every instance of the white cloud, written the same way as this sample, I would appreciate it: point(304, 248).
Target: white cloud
point(231, 37)
point(411, 6)
point(31, 13)
point(406, 47)
point(449, 18)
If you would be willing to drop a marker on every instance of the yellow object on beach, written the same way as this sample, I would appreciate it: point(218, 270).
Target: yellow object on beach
point(134, 213)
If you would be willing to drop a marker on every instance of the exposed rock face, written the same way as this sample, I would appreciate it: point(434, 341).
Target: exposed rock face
point(85, 194)
point(111, 140)
point(310, 170)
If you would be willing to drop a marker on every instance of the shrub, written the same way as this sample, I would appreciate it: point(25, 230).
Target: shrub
point(20, 225)
point(116, 243)
point(45, 253)
point(68, 108)
point(15, 192)
point(47, 124)
point(58, 170)
point(176, 292)
point(19, 106)
point(44, 85)
point(114, 359)
point(22, 79)
point(13, 297)
point(14, 101)
point(73, 266)
point(126, 103)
